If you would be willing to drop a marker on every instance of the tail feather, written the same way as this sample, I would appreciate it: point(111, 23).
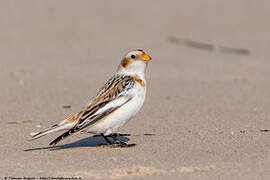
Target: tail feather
point(36, 135)
point(62, 136)
point(55, 128)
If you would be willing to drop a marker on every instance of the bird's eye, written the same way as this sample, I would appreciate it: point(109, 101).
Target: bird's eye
point(132, 56)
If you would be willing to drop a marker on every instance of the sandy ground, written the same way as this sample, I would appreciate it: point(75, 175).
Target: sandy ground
point(208, 94)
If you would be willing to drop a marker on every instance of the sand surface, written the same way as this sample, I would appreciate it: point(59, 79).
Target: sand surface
point(208, 87)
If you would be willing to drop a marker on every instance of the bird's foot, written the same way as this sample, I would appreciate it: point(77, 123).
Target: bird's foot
point(116, 143)
point(124, 145)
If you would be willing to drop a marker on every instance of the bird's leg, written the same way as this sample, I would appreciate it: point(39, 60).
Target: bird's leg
point(117, 141)
point(106, 139)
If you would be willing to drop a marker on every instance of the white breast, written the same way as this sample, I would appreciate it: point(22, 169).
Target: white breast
point(118, 118)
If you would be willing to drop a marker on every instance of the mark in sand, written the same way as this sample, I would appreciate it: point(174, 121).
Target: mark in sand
point(134, 172)
point(207, 46)
point(66, 106)
point(20, 122)
point(265, 130)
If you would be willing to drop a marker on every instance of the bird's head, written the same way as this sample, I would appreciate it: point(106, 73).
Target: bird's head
point(134, 62)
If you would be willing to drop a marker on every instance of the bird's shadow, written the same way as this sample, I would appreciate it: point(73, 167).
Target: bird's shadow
point(93, 141)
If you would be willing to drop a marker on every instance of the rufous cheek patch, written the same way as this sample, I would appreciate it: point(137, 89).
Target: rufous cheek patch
point(125, 63)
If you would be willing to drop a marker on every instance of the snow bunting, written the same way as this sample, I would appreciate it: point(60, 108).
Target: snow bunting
point(116, 103)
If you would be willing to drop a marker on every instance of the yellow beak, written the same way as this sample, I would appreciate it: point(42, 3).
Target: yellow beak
point(146, 57)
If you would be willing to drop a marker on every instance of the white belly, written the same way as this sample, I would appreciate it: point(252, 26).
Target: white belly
point(112, 122)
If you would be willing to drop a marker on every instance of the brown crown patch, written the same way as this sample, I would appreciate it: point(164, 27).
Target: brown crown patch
point(138, 80)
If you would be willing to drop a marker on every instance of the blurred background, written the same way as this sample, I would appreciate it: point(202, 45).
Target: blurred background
point(89, 29)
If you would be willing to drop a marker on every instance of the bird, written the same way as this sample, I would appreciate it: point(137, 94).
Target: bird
point(118, 101)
